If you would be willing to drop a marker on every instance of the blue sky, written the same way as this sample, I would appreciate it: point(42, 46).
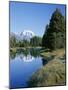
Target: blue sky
point(31, 16)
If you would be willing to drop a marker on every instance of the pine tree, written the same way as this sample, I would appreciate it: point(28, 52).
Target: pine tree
point(54, 37)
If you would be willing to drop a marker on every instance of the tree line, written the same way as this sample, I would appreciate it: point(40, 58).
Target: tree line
point(34, 41)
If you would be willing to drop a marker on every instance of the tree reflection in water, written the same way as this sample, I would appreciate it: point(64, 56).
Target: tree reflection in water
point(28, 55)
point(12, 55)
point(44, 61)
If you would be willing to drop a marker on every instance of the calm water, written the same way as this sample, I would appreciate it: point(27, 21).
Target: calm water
point(23, 64)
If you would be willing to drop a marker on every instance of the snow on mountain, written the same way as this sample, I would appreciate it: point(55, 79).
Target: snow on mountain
point(25, 35)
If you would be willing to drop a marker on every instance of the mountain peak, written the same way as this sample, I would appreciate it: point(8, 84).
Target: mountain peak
point(27, 34)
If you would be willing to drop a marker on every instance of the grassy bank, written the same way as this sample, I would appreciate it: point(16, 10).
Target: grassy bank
point(52, 73)
point(56, 54)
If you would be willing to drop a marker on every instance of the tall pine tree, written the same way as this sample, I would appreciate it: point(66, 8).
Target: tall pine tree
point(54, 36)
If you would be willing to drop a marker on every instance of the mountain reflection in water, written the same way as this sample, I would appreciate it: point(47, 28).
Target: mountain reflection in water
point(27, 58)
point(23, 63)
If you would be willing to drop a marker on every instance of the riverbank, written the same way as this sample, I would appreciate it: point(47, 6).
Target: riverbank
point(52, 73)
point(17, 48)
point(55, 54)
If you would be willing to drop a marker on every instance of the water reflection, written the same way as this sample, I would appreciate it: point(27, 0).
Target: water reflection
point(25, 54)
point(23, 63)
point(27, 58)
point(28, 55)
point(35, 52)
point(44, 61)
point(12, 55)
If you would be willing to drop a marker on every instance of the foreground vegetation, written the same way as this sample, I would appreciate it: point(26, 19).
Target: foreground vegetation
point(50, 74)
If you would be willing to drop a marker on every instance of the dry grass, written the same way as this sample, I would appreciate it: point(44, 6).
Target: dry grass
point(51, 74)
point(56, 53)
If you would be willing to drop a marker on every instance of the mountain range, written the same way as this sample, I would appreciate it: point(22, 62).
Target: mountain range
point(25, 35)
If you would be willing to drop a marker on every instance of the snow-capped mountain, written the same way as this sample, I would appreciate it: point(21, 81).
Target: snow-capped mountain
point(25, 35)
point(12, 34)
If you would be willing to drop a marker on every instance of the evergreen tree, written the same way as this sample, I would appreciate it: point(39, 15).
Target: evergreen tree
point(12, 41)
point(45, 38)
point(54, 36)
point(36, 41)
